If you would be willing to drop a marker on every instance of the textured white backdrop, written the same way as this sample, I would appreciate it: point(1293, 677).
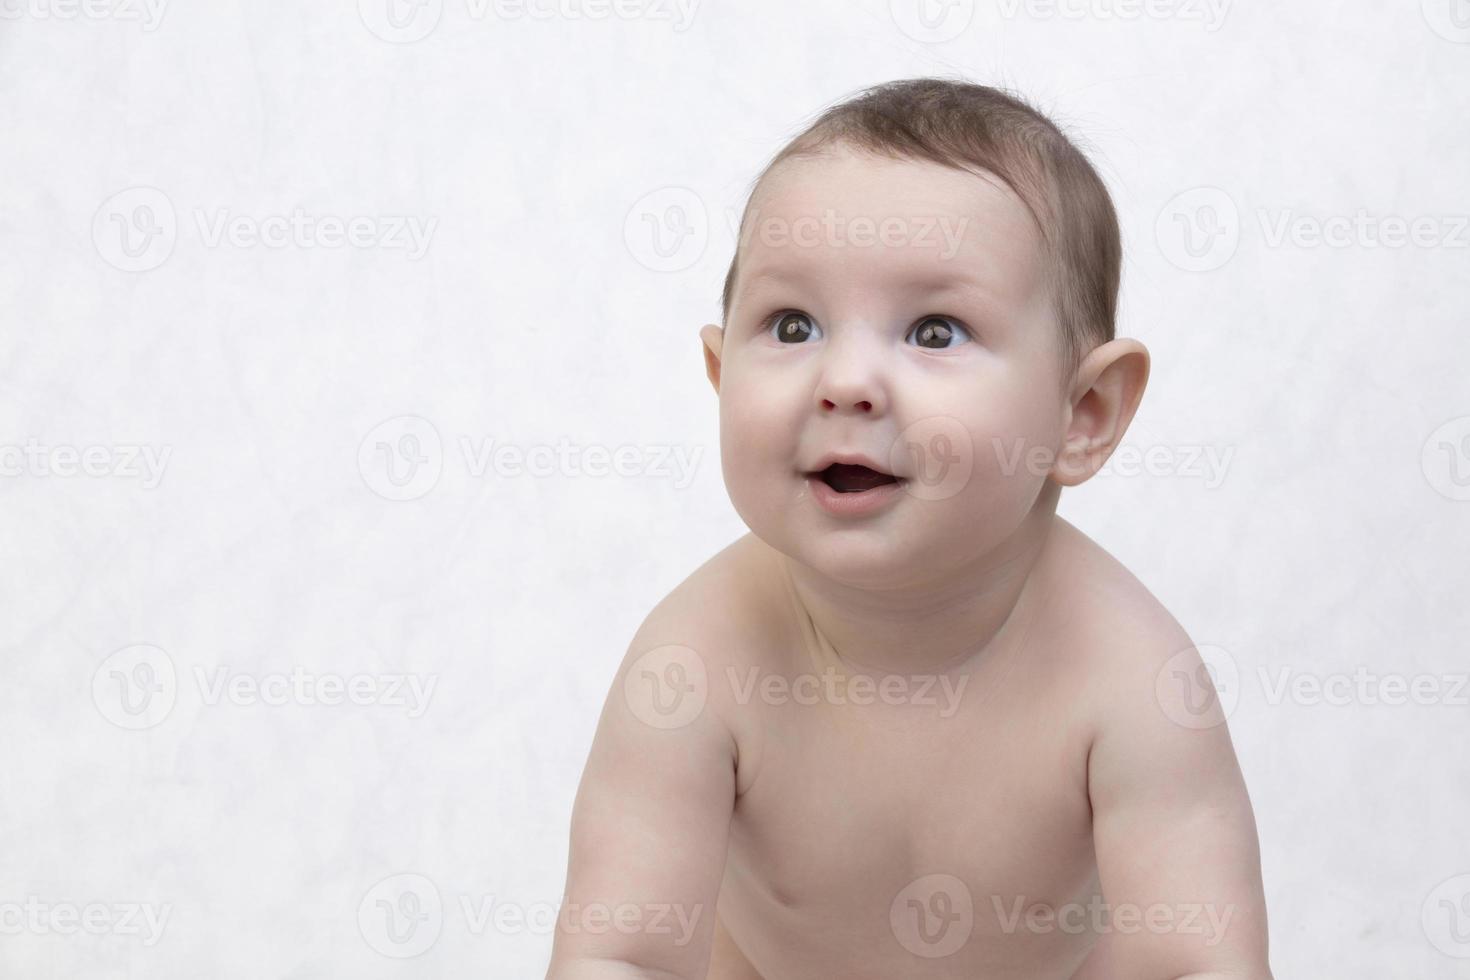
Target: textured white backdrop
point(203, 538)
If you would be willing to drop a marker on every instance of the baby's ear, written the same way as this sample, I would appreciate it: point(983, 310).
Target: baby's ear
point(713, 338)
point(1105, 394)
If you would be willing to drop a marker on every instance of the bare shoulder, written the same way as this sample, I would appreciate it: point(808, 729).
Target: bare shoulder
point(717, 625)
point(1173, 826)
point(1116, 634)
point(723, 599)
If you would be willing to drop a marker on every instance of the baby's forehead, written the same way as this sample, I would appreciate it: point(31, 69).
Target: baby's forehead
point(884, 217)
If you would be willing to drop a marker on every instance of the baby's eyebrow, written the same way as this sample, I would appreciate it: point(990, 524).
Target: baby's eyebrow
point(926, 283)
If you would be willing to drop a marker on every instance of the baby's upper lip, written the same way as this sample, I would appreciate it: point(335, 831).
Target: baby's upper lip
point(850, 459)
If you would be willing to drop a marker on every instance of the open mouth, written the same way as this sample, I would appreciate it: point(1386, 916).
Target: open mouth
point(854, 477)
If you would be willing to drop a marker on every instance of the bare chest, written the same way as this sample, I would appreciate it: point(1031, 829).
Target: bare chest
point(886, 834)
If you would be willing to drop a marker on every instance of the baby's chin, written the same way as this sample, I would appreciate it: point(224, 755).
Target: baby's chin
point(904, 546)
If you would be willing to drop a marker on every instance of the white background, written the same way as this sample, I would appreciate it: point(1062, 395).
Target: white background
point(542, 313)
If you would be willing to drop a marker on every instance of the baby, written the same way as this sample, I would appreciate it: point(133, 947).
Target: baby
point(914, 724)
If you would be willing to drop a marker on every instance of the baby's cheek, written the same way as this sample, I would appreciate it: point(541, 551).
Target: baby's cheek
point(1012, 452)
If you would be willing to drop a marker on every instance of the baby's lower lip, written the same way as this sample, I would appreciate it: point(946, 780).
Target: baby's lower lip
point(856, 504)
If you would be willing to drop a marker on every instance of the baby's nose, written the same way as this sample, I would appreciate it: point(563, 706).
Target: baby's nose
point(860, 405)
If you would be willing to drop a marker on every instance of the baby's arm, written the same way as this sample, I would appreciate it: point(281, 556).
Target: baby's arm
point(1173, 830)
point(650, 823)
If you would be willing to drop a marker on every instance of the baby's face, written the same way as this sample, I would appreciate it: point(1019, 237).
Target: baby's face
point(893, 309)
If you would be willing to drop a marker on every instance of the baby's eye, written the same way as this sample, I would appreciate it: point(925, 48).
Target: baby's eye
point(937, 332)
point(794, 328)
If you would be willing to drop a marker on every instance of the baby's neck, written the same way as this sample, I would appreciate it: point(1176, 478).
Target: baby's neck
point(945, 626)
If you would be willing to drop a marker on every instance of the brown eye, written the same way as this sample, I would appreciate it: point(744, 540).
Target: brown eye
point(794, 328)
point(938, 333)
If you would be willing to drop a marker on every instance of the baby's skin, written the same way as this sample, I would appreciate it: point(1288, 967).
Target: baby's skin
point(925, 730)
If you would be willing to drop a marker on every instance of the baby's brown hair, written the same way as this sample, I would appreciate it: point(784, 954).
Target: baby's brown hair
point(964, 125)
